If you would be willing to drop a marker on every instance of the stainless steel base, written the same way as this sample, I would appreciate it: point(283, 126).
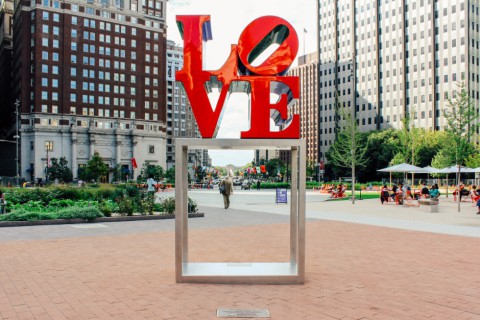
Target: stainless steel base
point(288, 272)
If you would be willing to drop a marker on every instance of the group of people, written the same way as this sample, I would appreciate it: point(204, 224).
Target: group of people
point(401, 192)
point(338, 192)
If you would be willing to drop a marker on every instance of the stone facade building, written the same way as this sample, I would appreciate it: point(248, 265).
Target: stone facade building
point(90, 76)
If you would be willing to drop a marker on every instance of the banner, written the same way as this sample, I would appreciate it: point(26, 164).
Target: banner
point(134, 163)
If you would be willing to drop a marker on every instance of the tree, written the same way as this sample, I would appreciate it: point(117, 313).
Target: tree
point(149, 170)
point(170, 174)
point(59, 170)
point(349, 150)
point(460, 124)
point(473, 161)
point(95, 169)
point(382, 146)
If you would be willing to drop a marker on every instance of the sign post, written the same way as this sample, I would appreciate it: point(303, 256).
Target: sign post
point(281, 195)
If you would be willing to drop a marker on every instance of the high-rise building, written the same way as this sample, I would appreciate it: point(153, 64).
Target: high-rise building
point(7, 120)
point(90, 76)
point(391, 59)
point(307, 105)
point(181, 122)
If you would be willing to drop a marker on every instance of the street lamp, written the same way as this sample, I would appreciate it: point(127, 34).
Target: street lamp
point(48, 147)
point(16, 137)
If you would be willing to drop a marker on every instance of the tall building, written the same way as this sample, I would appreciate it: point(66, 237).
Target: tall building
point(307, 105)
point(389, 59)
point(90, 76)
point(181, 122)
point(7, 121)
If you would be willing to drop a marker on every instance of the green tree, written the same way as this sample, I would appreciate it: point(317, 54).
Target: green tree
point(349, 149)
point(382, 146)
point(473, 161)
point(170, 174)
point(95, 169)
point(150, 170)
point(460, 119)
point(59, 170)
point(273, 166)
point(117, 173)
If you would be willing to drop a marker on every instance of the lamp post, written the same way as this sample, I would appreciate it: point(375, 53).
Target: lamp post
point(17, 105)
point(48, 147)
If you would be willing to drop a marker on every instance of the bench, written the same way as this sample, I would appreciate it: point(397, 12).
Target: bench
point(430, 204)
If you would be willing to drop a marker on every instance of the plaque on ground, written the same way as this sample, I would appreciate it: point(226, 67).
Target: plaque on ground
point(243, 313)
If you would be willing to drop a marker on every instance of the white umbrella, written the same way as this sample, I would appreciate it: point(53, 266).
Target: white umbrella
point(429, 170)
point(403, 167)
point(454, 169)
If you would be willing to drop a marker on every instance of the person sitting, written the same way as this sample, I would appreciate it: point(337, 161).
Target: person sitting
point(399, 194)
point(3, 203)
point(341, 191)
point(434, 192)
point(464, 192)
point(408, 192)
point(425, 192)
point(394, 192)
point(384, 194)
point(475, 193)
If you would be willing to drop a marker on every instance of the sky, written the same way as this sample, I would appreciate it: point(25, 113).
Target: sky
point(228, 19)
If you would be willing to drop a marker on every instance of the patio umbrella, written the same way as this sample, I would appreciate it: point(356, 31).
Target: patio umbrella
point(403, 167)
point(429, 170)
point(455, 169)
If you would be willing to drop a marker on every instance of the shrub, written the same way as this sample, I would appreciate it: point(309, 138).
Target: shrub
point(87, 213)
point(192, 206)
point(125, 206)
point(20, 215)
point(168, 205)
point(157, 207)
point(147, 204)
point(107, 207)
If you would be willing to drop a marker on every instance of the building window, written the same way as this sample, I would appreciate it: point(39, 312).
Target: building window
point(48, 145)
point(151, 149)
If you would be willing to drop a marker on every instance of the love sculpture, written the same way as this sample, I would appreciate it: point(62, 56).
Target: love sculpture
point(261, 80)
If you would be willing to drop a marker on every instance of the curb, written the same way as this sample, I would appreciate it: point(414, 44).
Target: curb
point(102, 219)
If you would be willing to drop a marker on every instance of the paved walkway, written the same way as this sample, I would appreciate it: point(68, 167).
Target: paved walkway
point(353, 270)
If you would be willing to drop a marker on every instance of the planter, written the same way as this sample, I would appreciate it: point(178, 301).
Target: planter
point(102, 219)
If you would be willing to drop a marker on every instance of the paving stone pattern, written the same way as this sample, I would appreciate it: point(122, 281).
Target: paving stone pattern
point(353, 271)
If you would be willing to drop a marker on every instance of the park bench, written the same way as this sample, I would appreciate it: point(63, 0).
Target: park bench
point(430, 204)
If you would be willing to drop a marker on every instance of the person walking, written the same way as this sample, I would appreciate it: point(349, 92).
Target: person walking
point(226, 189)
point(150, 185)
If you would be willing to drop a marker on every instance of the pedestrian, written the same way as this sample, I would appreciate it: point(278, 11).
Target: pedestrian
point(226, 189)
point(2, 203)
point(150, 185)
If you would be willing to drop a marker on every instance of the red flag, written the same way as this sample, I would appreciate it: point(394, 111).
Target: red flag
point(263, 169)
point(134, 163)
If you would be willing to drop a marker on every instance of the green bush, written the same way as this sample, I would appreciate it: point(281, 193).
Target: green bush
point(125, 206)
point(147, 204)
point(168, 205)
point(192, 206)
point(157, 207)
point(107, 207)
point(87, 213)
point(27, 216)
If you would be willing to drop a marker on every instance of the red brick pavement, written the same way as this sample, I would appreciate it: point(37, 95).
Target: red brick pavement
point(353, 272)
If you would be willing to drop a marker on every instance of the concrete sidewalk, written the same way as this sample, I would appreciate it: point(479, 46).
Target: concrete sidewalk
point(353, 270)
